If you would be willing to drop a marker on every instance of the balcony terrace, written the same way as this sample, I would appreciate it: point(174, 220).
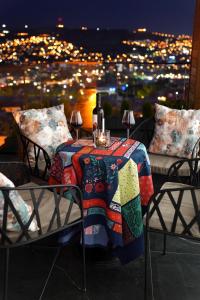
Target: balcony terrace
point(104, 273)
point(127, 84)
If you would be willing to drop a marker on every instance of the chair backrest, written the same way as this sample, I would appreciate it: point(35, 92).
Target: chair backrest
point(54, 208)
point(40, 163)
point(175, 211)
point(144, 131)
point(37, 160)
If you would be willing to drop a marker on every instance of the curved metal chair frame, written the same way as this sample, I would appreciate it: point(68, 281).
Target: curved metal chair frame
point(39, 154)
point(55, 224)
point(144, 133)
point(176, 202)
point(194, 171)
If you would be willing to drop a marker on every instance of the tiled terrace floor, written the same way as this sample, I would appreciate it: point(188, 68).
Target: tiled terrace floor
point(175, 276)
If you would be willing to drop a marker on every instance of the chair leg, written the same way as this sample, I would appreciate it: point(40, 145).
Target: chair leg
point(6, 270)
point(164, 243)
point(83, 254)
point(50, 272)
point(146, 264)
point(148, 261)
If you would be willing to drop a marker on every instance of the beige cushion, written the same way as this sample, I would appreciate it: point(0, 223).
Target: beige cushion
point(176, 131)
point(46, 209)
point(168, 211)
point(160, 164)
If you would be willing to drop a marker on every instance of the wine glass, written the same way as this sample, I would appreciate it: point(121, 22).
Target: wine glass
point(128, 120)
point(76, 122)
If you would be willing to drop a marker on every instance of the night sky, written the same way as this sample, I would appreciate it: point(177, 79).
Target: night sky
point(172, 16)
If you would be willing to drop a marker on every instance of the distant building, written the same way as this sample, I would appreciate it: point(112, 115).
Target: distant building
point(60, 24)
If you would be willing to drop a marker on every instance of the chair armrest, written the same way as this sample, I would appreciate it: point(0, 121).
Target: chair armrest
point(193, 165)
point(54, 209)
point(144, 131)
point(39, 154)
point(16, 171)
point(174, 210)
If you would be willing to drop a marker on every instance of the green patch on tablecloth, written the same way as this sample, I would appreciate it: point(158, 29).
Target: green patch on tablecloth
point(132, 214)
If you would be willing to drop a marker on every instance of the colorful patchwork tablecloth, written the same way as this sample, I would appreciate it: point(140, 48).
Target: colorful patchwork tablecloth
point(115, 182)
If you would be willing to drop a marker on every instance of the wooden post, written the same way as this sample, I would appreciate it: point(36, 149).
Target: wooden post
point(194, 85)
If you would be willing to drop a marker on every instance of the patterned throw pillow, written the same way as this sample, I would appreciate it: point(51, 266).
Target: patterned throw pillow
point(47, 127)
point(176, 131)
point(22, 208)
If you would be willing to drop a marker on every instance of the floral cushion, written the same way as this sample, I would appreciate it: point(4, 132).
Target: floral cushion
point(176, 131)
point(21, 207)
point(47, 127)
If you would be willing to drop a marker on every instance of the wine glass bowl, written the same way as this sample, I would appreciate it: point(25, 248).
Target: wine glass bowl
point(128, 120)
point(76, 122)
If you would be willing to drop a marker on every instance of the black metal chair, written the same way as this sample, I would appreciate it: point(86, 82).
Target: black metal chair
point(172, 211)
point(163, 166)
point(55, 209)
point(39, 161)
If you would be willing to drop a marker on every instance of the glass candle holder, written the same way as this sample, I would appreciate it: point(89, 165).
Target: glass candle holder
point(100, 138)
point(108, 141)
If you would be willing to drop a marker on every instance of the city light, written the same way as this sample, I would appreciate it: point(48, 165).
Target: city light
point(56, 64)
point(141, 30)
point(162, 98)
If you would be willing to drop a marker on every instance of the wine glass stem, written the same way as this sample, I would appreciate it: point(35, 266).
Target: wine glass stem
point(77, 134)
point(128, 131)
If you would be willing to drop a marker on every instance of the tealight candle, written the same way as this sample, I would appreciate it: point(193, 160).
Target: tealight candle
point(100, 140)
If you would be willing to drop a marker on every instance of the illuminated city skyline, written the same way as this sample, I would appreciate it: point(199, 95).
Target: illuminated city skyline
point(172, 16)
point(54, 52)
